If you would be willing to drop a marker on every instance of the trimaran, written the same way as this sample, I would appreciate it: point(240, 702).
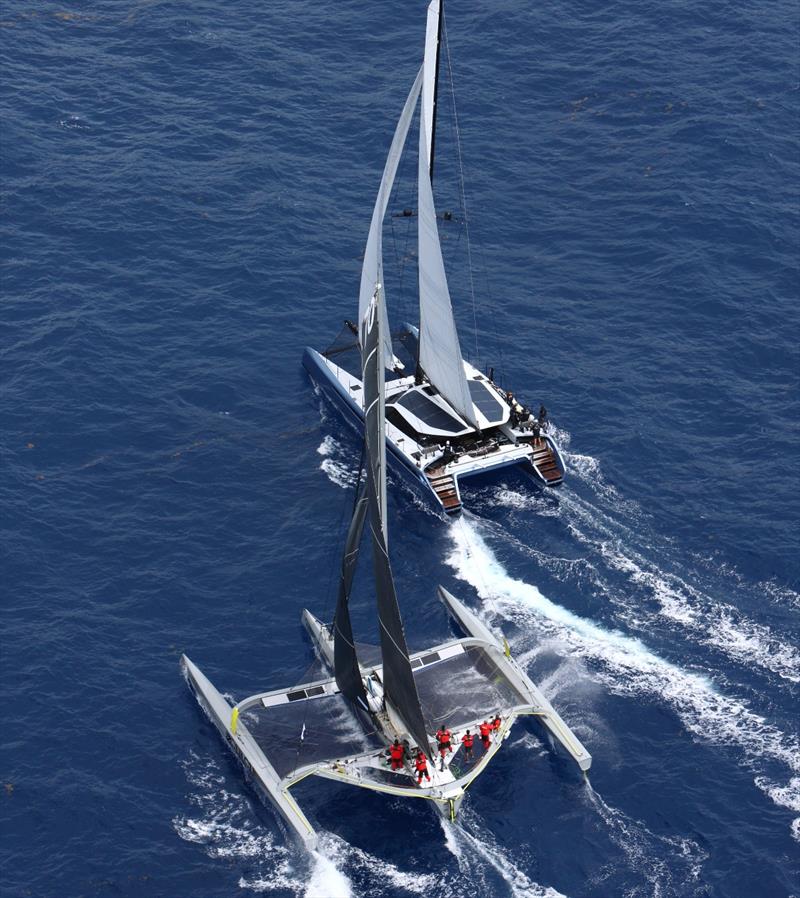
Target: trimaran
point(445, 419)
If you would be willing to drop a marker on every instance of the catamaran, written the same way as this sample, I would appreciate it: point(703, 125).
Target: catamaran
point(340, 727)
point(446, 420)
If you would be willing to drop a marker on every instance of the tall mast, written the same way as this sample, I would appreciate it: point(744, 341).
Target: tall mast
point(435, 103)
point(399, 688)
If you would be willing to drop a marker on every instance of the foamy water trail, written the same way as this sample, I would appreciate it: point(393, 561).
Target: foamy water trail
point(370, 870)
point(326, 879)
point(225, 826)
point(622, 663)
point(666, 863)
point(712, 622)
point(705, 619)
point(476, 853)
point(336, 463)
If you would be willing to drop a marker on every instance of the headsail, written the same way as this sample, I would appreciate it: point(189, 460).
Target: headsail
point(433, 39)
point(439, 349)
point(398, 680)
point(345, 660)
point(372, 269)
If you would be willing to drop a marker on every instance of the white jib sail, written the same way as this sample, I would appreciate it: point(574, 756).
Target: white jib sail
point(429, 65)
point(439, 350)
point(372, 269)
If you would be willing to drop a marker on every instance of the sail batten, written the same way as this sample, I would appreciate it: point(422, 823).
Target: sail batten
point(372, 269)
point(400, 689)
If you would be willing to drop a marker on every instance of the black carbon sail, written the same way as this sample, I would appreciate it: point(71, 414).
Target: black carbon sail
point(345, 660)
point(398, 679)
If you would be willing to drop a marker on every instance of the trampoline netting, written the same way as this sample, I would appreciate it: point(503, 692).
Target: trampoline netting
point(464, 688)
point(308, 732)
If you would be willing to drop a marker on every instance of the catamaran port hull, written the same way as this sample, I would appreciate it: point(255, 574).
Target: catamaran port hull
point(425, 465)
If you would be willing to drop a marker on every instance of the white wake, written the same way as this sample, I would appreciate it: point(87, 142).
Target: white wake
point(623, 664)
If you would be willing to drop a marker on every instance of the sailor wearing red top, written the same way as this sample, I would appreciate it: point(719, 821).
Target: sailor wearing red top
point(421, 764)
point(485, 729)
point(496, 723)
point(396, 755)
point(444, 739)
point(469, 740)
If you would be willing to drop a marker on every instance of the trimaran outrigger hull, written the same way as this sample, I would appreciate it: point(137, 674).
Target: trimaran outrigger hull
point(446, 793)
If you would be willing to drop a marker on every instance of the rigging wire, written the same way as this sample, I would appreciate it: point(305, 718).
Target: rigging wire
point(461, 186)
point(462, 180)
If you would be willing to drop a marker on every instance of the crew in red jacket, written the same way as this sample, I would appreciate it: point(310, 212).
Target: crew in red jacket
point(445, 739)
point(496, 723)
point(397, 753)
point(421, 764)
point(485, 728)
point(468, 740)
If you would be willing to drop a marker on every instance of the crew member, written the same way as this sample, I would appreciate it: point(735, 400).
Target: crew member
point(444, 738)
point(496, 723)
point(537, 429)
point(468, 740)
point(542, 416)
point(421, 764)
point(397, 754)
point(485, 728)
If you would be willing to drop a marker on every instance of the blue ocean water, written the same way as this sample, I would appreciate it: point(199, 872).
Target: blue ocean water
point(186, 192)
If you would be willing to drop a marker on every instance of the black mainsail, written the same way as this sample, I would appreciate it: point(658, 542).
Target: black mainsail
point(399, 687)
point(345, 659)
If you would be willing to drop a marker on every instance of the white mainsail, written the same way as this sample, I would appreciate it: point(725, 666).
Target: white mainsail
point(439, 349)
point(372, 269)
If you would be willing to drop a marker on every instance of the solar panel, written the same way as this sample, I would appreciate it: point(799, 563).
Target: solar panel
point(429, 412)
point(486, 401)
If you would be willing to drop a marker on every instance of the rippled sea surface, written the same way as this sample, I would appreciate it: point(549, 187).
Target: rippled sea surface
point(186, 193)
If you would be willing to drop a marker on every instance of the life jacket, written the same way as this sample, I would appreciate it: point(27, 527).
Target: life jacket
point(396, 752)
point(496, 723)
point(468, 739)
point(421, 763)
point(485, 729)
